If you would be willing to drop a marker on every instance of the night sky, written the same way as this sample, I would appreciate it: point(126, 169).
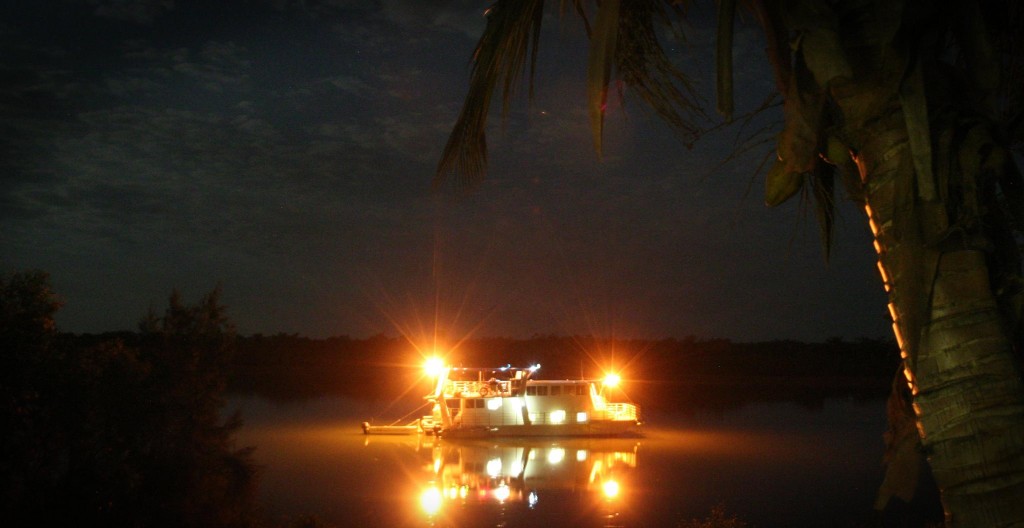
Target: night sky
point(285, 150)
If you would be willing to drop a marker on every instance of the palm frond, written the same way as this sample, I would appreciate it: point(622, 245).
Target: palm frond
point(513, 29)
point(645, 70)
point(581, 11)
point(723, 57)
point(603, 43)
point(815, 59)
point(769, 14)
point(624, 41)
point(1003, 23)
point(752, 137)
point(823, 185)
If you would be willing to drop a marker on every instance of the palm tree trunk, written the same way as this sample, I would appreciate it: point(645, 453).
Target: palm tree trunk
point(958, 358)
point(969, 398)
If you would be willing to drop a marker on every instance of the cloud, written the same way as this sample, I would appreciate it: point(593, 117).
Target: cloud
point(218, 66)
point(349, 84)
point(459, 16)
point(136, 11)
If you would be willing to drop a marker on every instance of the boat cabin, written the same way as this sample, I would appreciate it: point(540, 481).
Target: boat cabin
point(508, 399)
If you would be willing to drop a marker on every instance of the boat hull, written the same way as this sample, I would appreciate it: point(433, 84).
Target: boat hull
point(596, 429)
point(390, 429)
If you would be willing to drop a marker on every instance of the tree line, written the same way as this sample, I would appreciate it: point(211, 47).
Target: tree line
point(121, 431)
point(669, 373)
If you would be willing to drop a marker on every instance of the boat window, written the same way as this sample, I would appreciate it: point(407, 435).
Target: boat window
point(556, 390)
point(542, 391)
point(581, 390)
point(531, 391)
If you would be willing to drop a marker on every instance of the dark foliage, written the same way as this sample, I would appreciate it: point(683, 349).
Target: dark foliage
point(120, 431)
point(688, 374)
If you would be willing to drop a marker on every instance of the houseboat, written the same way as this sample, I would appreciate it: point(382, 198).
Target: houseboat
point(511, 402)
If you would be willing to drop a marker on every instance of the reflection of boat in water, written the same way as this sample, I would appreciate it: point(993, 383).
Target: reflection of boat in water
point(466, 473)
point(506, 401)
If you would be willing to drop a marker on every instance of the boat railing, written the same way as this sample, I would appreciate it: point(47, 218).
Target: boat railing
point(456, 387)
point(620, 412)
point(484, 388)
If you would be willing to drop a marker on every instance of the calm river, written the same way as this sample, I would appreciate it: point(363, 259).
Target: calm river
point(771, 465)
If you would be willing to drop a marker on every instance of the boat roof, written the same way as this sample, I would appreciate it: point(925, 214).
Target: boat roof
point(560, 382)
point(508, 371)
point(503, 373)
point(506, 368)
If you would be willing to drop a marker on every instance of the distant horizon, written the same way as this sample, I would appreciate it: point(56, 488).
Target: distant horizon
point(695, 338)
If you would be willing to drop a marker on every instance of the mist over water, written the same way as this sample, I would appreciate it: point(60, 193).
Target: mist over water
point(770, 464)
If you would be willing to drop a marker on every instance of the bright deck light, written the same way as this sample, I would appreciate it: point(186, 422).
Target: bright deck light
point(558, 416)
point(610, 489)
point(431, 500)
point(612, 380)
point(494, 467)
point(502, 493)
point(434, 366)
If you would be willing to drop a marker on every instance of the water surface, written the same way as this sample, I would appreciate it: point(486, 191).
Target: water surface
point(772, 465)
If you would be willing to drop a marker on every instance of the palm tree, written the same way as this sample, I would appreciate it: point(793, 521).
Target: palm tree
point(916, 106)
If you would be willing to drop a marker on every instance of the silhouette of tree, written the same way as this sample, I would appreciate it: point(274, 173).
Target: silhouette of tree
point(27, 362)
point(119, 433)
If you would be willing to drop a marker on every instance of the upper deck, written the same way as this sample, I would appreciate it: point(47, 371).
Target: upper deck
point(507, 382)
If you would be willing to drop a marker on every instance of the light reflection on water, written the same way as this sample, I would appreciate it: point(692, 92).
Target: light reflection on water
point(522, 478)
point(770, 464)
